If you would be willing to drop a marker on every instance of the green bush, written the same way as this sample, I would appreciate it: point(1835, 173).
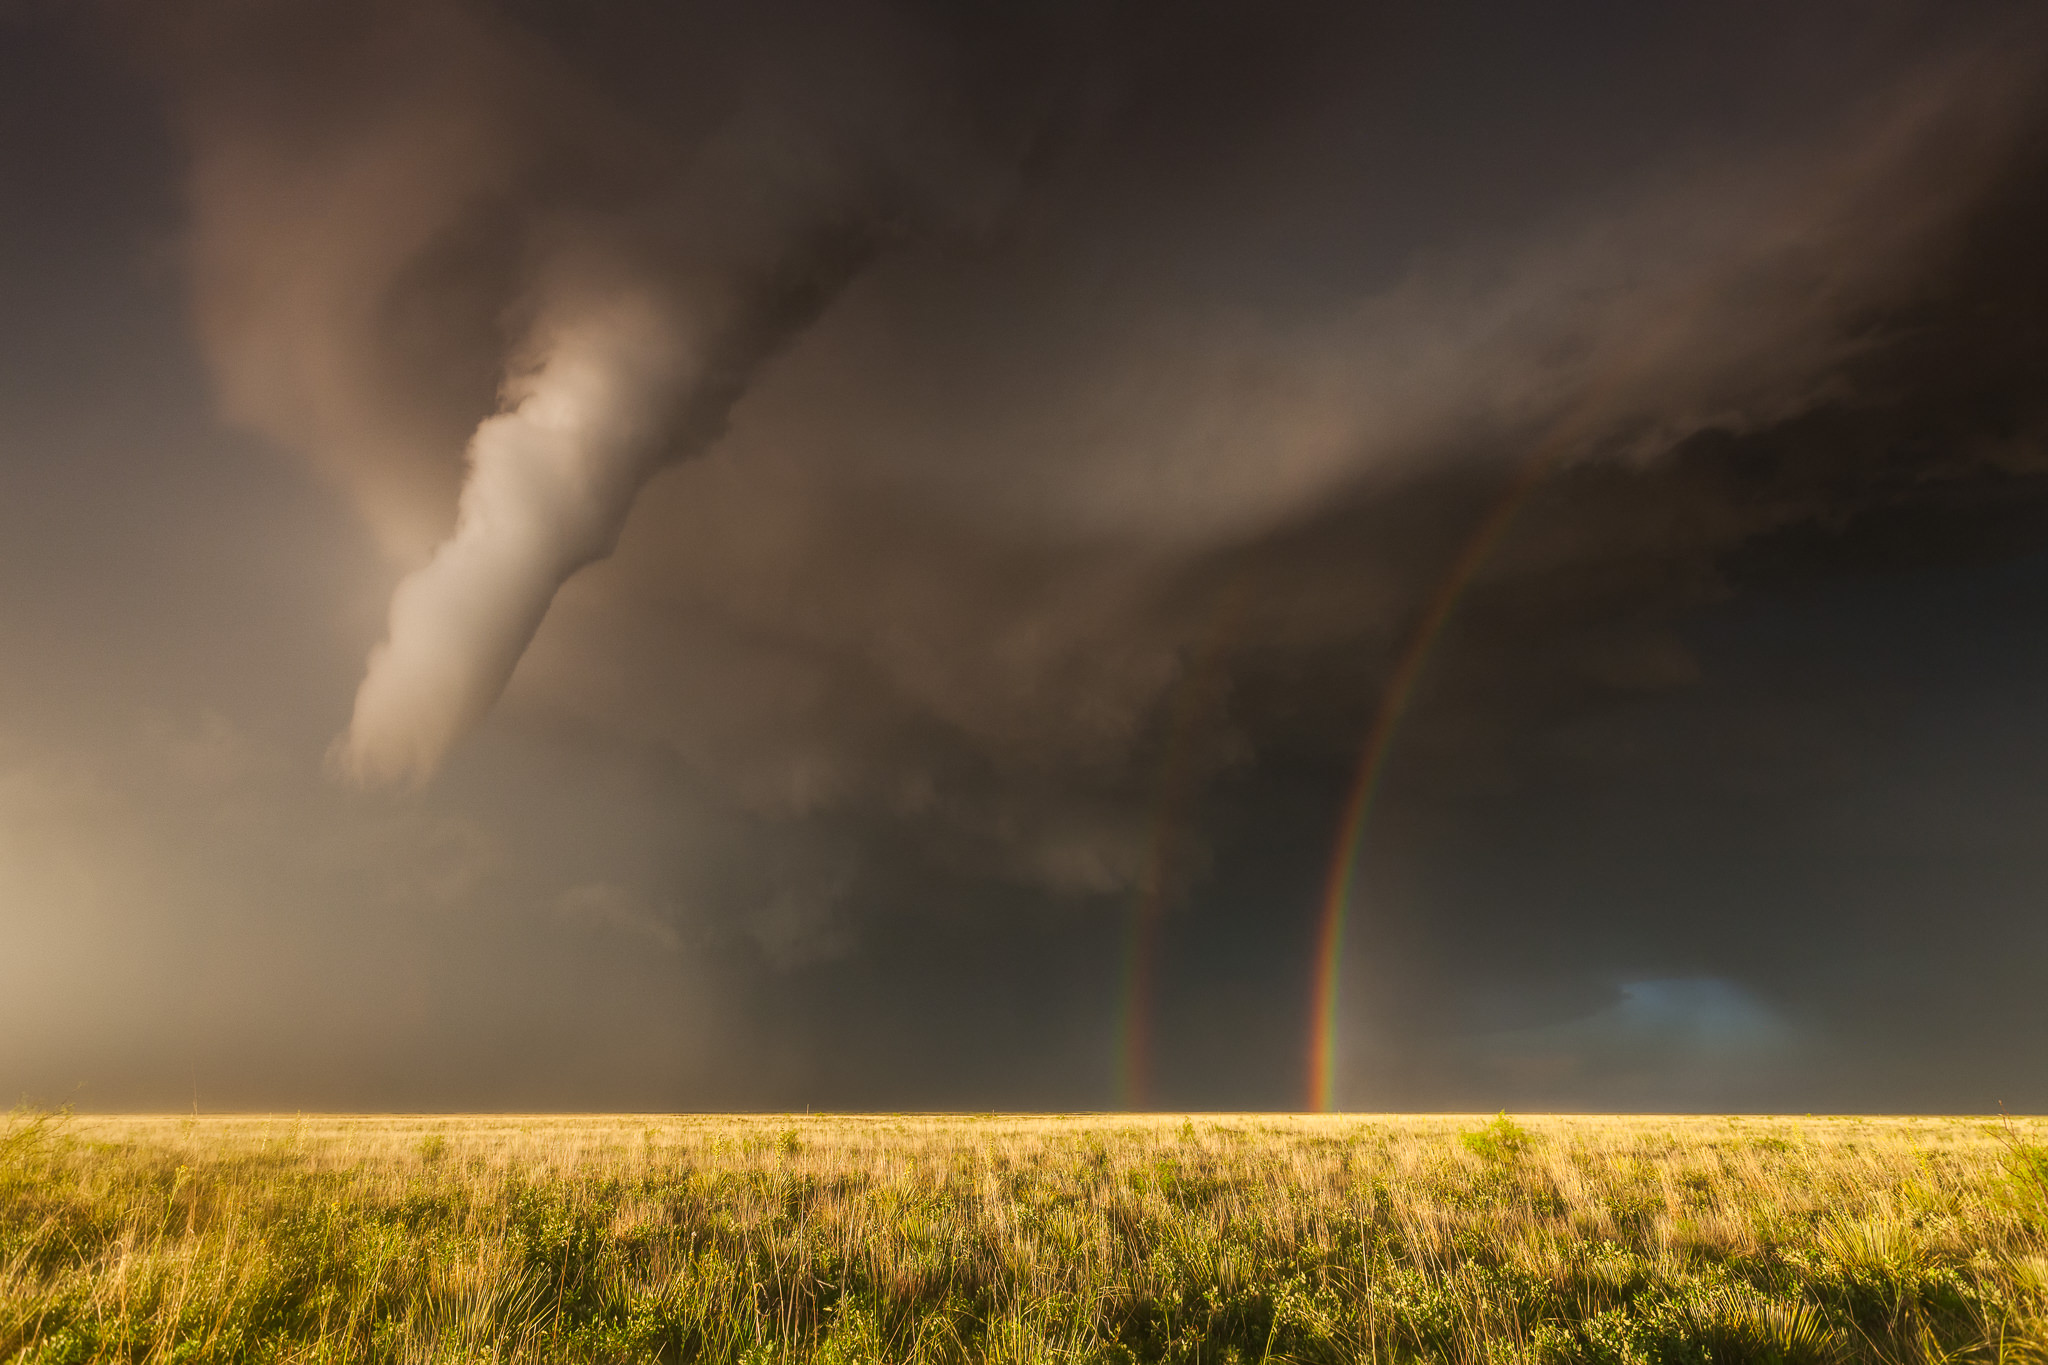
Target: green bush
point(1501, 1140)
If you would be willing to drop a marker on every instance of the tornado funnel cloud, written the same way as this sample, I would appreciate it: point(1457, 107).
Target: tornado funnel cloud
point(551, 480)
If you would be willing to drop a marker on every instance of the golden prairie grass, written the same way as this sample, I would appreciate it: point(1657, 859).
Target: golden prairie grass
point(1023, 1238)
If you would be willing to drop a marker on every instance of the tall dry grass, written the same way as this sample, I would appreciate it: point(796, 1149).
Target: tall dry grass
point(1109, 1238)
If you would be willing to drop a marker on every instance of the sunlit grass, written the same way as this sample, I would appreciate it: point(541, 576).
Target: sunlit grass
point(1107, 1238)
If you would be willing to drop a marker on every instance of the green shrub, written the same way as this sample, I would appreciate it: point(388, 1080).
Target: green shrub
point(1501, 1140)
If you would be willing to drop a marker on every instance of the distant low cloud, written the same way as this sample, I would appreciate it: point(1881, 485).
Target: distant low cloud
point(1681, 1043)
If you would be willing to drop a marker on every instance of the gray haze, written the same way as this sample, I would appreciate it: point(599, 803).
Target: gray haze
point(635, 556)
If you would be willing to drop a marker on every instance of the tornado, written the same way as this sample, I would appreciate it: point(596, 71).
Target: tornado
point(624, 384)
point(550, 482)
point(491, 301)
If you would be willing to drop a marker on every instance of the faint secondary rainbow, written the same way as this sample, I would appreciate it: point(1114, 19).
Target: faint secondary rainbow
point(1399, 691)
point(1171, 794)
point(1141, 959)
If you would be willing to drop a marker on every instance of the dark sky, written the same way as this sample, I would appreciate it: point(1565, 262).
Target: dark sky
point(635, 555)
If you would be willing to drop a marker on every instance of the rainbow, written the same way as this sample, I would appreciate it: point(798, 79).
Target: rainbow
point(1570, 428)
point(1140, 963)
point(1342, 877)
point(1171, 794)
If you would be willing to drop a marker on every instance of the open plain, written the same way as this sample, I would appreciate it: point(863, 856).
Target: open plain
point(1206, 1237)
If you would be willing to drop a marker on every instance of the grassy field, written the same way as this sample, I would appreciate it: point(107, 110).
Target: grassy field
point(1100, 1238)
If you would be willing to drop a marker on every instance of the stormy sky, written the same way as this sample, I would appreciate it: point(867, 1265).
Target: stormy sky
point(634, 555)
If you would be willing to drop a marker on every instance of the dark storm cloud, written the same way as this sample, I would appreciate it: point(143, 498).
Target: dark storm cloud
point(1080, 405)
point(1048, 523)
point(393, 203)
point(1682, 731)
